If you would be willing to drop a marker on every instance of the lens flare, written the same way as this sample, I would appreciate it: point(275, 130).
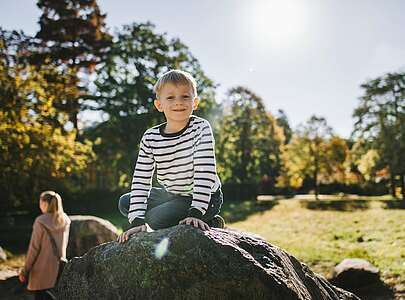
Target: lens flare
point(162, 248)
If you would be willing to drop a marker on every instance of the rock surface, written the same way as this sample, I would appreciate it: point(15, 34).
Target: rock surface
point(3, 255)
point(355, 272)
point(183, 262)
point(361, 278)
point(87, 232)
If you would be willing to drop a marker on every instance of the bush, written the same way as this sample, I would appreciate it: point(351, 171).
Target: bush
point(240, 191)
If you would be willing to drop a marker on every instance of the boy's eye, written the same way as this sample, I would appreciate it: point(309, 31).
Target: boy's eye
point(186, 96)
point(170, 98)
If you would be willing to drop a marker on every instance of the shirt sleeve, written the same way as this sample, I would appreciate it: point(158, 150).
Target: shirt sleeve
point(204, 171)
point(34, 246)
point(141, 183)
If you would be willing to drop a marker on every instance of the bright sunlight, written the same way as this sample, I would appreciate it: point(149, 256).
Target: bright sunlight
point(276, 23)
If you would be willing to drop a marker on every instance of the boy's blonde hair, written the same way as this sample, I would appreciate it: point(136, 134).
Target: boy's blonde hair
point(176, 77)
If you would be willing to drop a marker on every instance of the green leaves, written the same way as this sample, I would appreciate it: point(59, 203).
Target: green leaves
point(72, 32)
point(124, 92)
point(380, 120)
point(138, 56)
point(248, 139)
point(314, 152)
point(36, 148)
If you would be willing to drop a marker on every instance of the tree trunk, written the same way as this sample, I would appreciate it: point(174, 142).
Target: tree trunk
point(73, 119)
point(402, 178)
point(392, 179)
point(316, 179)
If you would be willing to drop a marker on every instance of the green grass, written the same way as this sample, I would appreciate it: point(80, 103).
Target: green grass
point(323, 233)
point(319, 233)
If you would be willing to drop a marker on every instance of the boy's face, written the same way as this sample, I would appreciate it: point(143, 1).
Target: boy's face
point(177, 102)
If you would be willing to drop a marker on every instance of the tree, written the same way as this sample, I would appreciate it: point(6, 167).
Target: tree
point(138, 56)
point(282, 121)
point(380, 119)
point(72, 35)
point(314, 152)
point(315, 131)
point(248, 143)
point(124, 94)
point(35, 154)
point(365, 161)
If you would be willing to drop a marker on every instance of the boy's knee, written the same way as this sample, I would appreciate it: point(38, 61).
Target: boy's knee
point(154, 222)
point(159, 221)
point(123, 204)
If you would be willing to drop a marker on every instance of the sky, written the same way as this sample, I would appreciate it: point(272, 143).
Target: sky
point(306, 57)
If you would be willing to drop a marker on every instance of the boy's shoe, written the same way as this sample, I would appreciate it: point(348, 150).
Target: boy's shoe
point(217, 222)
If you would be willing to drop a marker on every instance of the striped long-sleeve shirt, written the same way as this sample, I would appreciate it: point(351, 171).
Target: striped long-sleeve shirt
point(185, 164)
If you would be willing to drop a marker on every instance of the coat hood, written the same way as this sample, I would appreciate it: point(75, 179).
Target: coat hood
point(47, 220)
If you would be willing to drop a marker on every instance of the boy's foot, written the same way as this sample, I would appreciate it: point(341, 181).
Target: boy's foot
point(217, 222)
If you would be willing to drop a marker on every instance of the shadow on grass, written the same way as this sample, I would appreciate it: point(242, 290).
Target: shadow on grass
point(239, 211)
point(337, 205)
point(377, 291)
point(394, 204)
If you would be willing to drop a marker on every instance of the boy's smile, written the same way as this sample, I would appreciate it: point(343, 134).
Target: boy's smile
point(177, 102)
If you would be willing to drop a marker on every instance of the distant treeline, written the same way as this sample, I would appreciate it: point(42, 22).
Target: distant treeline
point(75, 66)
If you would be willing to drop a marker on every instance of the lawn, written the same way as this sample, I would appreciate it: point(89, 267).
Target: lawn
point(322, 233)
point(319, 233)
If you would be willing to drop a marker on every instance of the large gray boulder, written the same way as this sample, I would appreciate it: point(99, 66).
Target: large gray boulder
point(183, 262)
point(87, 232)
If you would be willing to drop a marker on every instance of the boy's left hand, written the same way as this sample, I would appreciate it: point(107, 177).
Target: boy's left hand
point(195, 222)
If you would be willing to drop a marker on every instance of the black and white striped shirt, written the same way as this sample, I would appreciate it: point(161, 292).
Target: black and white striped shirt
point(185, 164)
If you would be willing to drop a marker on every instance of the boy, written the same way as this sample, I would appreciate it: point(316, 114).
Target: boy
point(182, 149)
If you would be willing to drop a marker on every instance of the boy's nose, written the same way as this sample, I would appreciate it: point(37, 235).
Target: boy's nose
point(179, 99)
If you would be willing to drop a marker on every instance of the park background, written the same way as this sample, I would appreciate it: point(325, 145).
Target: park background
point(306, 99)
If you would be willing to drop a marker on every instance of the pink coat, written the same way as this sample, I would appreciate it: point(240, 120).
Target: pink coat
point(41, 263)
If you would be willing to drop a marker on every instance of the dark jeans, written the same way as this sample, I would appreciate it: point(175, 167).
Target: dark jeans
point(166, 209)
point(43, 295)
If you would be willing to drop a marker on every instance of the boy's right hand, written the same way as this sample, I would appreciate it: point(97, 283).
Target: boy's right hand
point(123, 237)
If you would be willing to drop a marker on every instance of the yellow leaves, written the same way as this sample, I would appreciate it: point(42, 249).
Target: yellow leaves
point(296, 181)
point(303, 156)
point(26, 139)
point(34, 147)
point(367, 163)
point(29, 161)
point(98, 141)
point(123, 181)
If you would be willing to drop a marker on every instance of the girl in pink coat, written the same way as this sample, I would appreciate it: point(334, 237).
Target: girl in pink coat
point(41, 264)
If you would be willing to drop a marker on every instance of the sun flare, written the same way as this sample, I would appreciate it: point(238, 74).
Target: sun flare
point(276, 23)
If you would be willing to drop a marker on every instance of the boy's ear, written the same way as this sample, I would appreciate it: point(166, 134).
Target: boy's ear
point(158, 105)
point(196, 102)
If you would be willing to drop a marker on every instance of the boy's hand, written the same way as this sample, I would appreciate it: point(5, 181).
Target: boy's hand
point(123, 237)
point(195, 222)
